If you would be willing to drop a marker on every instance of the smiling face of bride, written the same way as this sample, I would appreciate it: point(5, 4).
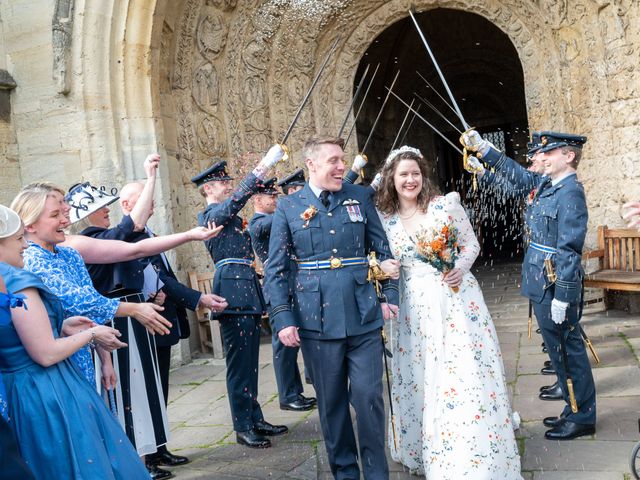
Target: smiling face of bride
point(407, 180)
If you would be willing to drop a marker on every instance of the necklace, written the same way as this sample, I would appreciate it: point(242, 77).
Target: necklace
point(406, 217)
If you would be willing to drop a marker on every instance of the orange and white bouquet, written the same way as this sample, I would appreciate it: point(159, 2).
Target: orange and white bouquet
point(439, 248)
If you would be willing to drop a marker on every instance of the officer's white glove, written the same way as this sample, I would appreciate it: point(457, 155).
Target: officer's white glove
point(472, 141)
point(273, 156)
point(358, 163)
point(474, 165)
point(558, 311)
point(376, 181)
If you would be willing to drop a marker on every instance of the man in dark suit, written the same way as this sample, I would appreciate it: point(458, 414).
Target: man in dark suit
point(285, 359)
point(176, 299)
point(321, 235)
point(552, 273)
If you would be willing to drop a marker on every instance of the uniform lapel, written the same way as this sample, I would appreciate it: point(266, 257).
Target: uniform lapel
point(336, 200)
point(309, 198)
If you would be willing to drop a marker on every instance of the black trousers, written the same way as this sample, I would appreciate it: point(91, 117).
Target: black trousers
point(11, 463)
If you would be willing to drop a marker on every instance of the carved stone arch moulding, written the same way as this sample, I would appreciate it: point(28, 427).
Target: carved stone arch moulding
point(526, 37)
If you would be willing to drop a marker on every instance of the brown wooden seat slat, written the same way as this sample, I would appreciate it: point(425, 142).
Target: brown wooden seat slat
point(618, 255)
point(209, 330)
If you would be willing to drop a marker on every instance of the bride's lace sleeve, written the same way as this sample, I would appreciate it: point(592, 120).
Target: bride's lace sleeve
point(469, 246)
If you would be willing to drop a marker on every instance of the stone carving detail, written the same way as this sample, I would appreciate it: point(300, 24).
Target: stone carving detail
point(253, 55)
point(186, 136)
point(62, 26)
point(224, 5)
point(206, 88)
point(211, 36)
point(211, 136)
point(184, 45)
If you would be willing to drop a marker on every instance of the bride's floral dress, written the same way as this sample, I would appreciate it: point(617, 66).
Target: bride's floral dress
point(452, 411)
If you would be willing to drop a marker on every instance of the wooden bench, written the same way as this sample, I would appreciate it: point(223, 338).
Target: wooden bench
point(209, 330)
point(618, 257)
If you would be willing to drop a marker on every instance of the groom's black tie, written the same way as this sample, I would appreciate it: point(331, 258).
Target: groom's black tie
point(324, 198)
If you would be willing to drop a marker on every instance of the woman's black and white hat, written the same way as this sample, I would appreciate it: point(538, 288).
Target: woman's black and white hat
point(9, 222)
point(85, 199)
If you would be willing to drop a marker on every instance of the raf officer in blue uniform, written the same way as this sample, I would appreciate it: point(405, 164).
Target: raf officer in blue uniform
point(236, 281)
point(285, 359)
point(551, 273)
point(321, 236)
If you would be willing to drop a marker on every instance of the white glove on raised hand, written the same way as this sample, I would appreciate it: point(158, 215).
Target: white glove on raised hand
point(273, 156)
point(473, 141)
point(359, 162)
point(558, 311)
point(375, 183)
point(474, 165)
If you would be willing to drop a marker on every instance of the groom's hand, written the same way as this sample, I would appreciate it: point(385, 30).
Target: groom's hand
point(389, 311)
point(289, 337)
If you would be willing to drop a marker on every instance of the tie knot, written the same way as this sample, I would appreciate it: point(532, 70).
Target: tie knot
point(324, 198)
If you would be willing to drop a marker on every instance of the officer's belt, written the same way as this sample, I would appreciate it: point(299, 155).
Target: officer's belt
point(239, 261)
point(332, 263)
point(543, 248)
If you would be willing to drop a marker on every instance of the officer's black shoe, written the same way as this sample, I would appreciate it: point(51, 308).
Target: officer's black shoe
point(166, 458)
point(538, 330)
point(547, 363)
point(310, 400)
point(551, 394)
point(298, 405)
point(544, 349)
point(158, 473)
point(548, 387)
point(569, 430)
point(265, 428)
point(547, 371)
point(252, 439)
point(552, 422)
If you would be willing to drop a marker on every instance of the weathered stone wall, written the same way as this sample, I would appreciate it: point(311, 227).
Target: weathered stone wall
point(193, 79)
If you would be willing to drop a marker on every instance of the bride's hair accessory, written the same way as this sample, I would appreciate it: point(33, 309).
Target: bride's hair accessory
point(401, 150)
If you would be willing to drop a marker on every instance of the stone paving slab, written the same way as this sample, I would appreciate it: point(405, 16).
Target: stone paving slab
point(202, 429)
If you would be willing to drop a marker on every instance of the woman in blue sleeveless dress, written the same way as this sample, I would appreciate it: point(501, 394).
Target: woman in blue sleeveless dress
point(62, 426)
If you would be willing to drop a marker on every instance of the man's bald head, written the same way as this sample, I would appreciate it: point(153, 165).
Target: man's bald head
point(129, 196)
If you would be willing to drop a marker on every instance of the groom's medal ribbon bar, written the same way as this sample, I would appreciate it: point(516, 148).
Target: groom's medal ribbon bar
point(332, 263)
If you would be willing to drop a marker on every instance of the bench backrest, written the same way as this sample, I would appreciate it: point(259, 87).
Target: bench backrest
point(621, 247)
point(202, 283)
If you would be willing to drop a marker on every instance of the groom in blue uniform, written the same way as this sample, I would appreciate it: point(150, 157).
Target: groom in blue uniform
point(321, 236)
point(551, 273)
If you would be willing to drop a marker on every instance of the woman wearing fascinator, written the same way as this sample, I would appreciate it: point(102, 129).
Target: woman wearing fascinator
point(452, 412)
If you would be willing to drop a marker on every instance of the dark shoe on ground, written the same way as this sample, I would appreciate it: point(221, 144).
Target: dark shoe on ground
point(265, 428)
point(552, 422)
point(547, 363)
point(544, 349)
point(309, 400)
point(298, 405)
point(568, 431)
point(166, 458)
point(547, 371)
point(252, 439)
point(547, 387)
point(158, 473)
point(551, 394)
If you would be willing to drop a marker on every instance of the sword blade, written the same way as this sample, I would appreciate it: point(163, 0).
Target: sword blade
point(409, 126)
point(404, 120)
point(435, 63)
point(308, 95)
point(444, 100)
point(427, 122)
point(353, 101)
point(366, 93)
point(375, 123)
point(432, 107)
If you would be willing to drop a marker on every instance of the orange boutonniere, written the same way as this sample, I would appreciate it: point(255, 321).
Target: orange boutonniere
point(244, 224)
point(308, 214)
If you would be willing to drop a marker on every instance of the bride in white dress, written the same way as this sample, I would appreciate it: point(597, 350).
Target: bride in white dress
point(452, 412)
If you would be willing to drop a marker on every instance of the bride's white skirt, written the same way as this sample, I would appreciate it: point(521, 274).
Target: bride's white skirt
point(452, 411)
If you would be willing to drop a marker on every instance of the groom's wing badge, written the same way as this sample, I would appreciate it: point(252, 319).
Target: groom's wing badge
point(351, 202)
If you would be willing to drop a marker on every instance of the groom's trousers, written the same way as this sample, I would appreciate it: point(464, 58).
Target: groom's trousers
point(349, 370)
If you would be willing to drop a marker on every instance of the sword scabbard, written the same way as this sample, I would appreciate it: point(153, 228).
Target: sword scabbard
point(592, 349)
point(529, 326)
point(572, 396)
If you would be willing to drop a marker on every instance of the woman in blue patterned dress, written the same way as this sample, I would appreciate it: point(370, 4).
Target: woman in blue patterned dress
point(63, 428)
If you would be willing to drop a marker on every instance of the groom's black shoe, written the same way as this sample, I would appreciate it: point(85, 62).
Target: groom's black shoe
point(569, 430)
point(552, 422)
point(551, 394)
point(547, 363)
point(166, 458)
point(252, 439)
point(265, 428)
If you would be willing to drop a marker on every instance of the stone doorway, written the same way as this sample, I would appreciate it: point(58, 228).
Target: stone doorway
point(483, 70)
